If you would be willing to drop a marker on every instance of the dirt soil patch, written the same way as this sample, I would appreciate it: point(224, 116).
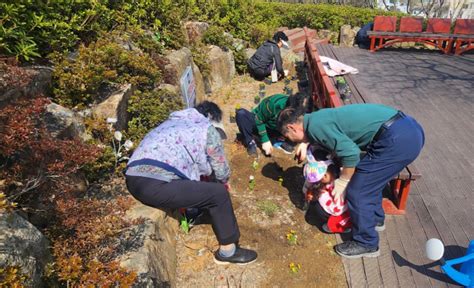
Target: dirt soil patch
point(268, 217)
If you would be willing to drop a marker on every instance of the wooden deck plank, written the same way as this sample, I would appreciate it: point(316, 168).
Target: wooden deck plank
point(373, 275)
point(387, 268)
point(414, 251)
point(404, 275)
point(420, 222)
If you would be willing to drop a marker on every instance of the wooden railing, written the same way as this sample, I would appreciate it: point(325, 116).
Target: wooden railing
point(322, 91)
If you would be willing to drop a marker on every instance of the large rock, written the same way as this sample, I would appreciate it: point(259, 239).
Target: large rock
point(179, 61)
point(347, 36)
point(222, 68)
point(24, 246)
point(155, 260)
point(199, 80)
point(195, 30)
point(249, 52)
point(64, 123)
point(39, 83)
point(115, 106)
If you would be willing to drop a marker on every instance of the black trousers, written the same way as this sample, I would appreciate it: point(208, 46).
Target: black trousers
point(259, 74)
point(246, 122)
point(209, 196)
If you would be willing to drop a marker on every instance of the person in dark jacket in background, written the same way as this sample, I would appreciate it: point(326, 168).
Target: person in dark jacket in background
point(267, 57)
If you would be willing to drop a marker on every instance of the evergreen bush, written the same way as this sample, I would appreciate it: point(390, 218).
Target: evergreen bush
point(149, 109)
point(78, 81)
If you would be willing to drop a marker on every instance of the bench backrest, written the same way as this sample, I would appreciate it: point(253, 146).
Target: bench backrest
point(322, 90)
point(464, 26)
point(385, 23)
point(411, 24)
point(438, 25)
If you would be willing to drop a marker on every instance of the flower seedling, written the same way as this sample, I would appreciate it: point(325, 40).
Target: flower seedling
point(251, 182)
point(184, 224)
point(256, 99)
point(280, 180)
point(292, 237)
point(294, 267)
point(262, 86)
point(255, 164)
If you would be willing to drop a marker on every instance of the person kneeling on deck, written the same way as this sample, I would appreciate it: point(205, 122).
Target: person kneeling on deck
point(164, 172)
point(391, 139)
point(268, 57)
point(263, 119)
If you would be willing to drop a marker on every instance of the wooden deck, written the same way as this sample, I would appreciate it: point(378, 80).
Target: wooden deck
point(437, 90)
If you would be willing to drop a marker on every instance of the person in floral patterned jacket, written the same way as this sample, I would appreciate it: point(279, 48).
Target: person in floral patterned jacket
point(165, 170)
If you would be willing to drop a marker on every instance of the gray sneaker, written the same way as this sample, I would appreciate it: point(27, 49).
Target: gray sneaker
point(353, 250)
point(252, 149)
point(379, 227)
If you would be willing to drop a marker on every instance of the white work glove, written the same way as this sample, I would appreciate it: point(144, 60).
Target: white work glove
point(267, 148)
point(339, 191)
point(300, 152)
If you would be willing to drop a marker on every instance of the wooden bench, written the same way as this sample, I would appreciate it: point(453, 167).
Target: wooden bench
point(325, 94)
point(463, 35)
point(437, 33)
point(384, 33)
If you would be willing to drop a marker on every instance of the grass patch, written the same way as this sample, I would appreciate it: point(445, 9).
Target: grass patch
point(268, 207)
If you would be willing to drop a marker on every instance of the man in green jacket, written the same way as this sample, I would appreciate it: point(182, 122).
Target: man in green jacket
point(262, 121)
point(391, 139)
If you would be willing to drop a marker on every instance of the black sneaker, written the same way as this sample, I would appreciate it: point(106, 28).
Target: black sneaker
point(353, 250)
point(326, 229)
point(286, 147)
point(241, 256)
point(252, 149)
point(380, 227)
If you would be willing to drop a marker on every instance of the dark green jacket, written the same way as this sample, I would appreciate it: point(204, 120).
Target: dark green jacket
point(266, 114)
point(346, 130)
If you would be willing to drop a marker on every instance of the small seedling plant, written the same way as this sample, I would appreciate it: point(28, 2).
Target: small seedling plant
point(294, 267)
point(292, 237)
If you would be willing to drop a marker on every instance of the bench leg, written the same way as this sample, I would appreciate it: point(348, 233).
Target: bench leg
point(372, 44)
point(400, 190)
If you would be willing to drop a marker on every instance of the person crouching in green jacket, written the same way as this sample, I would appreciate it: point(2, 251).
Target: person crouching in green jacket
point(262, 121)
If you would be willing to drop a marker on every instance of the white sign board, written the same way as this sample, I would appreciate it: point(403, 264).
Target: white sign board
point(188, 87)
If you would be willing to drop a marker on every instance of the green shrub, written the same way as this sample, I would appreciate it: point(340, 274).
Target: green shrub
point(215, 35)
point(77, 82)
point(149, 109)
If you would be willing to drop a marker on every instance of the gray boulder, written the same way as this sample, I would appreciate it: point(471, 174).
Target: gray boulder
point(115, 106)
point(64, 123)
point(195, 30)
point(222, 68)
point(22, 245)
point(249, 52)
point(180, 60)
point(347, 36)
point(154, 260)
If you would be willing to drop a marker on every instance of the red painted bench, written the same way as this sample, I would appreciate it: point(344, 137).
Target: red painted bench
point(464, 35)
point(437, 33)
point(384, 33)
point(325, 94)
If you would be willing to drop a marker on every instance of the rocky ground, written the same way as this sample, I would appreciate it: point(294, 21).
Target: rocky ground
point(268, 216)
